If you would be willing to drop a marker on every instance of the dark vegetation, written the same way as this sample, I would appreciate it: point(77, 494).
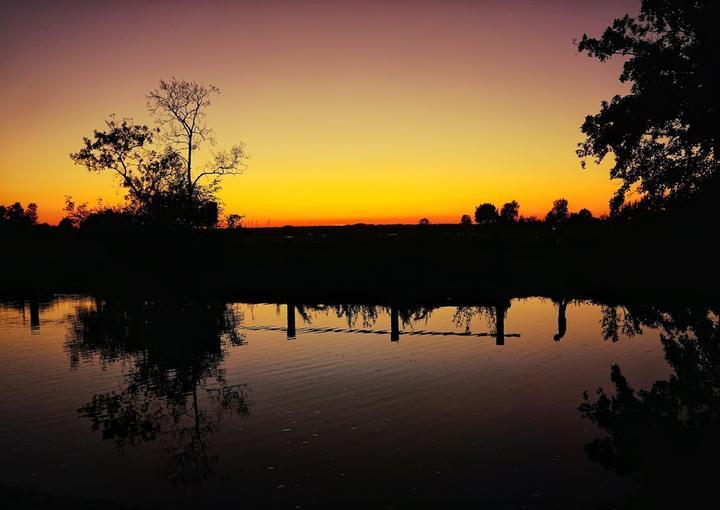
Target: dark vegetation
point(664, 135)
point(588, 257)
point(158, 166)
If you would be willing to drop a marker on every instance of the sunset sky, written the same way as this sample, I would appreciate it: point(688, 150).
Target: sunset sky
point(352, 111)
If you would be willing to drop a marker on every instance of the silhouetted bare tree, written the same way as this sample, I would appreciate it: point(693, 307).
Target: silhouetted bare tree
point(180, 109)
point(160, 179)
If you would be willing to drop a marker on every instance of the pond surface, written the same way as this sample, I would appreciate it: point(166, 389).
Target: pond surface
point(173, 404)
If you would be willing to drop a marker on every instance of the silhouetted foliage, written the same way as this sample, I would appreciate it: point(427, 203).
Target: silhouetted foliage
point(465, 219)
point(665, 134)
point(528, 219)
point(99, 218)
point(494, 315)
point(486, 213)
point(509, 212)
point(233, 221)
point(582, 215)
point(424, 221)
point(180, 110)
point(16, 216)
point(665, 438)
point(161, 185)
point(559, 212)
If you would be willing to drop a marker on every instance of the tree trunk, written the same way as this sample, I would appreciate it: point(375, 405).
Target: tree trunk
point(189, 184)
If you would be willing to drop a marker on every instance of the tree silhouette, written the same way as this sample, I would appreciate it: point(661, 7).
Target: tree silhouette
point(180, 109)
point(509, 212)
point(486, 213)
point(155, 166)
point(665, 438)
point(583, 215)
point(465, 219)
point(17, 216)
point(424, 221)
point(233, 221)
point(152, 178)
point(665, 134)
point(559, 212)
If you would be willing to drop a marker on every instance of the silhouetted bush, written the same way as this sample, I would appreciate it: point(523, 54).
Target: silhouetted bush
point(486, 213)
point(509, 212)
point(559, 212)
point(15, 216)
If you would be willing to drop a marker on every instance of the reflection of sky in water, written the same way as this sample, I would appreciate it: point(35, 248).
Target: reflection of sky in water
point(329, 413)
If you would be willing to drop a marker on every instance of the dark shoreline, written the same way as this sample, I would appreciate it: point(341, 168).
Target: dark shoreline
point(375, 264)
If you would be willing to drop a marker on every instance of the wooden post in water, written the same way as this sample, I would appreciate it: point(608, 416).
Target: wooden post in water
point(34, 314)
point(394, 324)
point(291, 322)
point(500, 324)
point(562, 320)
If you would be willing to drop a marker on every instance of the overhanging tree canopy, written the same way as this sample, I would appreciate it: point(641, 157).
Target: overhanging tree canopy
point(665, 133)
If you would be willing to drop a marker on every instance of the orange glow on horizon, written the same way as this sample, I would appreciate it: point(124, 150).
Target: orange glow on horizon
point(362, 112)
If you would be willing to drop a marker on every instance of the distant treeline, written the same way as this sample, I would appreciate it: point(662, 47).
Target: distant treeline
point(101, 217)
point(647, 254)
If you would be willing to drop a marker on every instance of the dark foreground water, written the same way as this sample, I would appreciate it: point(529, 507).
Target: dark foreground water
point(175, 403)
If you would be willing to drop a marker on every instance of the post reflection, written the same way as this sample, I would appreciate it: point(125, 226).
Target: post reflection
point(172, 389)
point(291, 333)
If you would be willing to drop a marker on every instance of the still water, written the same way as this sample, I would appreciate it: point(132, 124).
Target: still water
point(174, 404)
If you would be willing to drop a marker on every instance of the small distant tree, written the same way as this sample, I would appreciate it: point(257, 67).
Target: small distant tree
point(509, 212)
point(75, 214)
point(15, 215)
point(559, 212)
point(233, 221)
point(583, 215)
point(31, 214)
point(465, 220)
point(528, 219)
point(486, 213)
point(424, 221)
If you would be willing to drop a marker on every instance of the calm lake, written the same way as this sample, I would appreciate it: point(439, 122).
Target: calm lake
point(172, 403)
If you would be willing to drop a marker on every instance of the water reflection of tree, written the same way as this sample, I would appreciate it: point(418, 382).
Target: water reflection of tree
point(494, 315)
point(665, 438)
point(174, 387)
point(617, 320)
point(363, 314)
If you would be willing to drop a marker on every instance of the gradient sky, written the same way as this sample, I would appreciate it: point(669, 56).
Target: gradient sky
point(351, 110)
